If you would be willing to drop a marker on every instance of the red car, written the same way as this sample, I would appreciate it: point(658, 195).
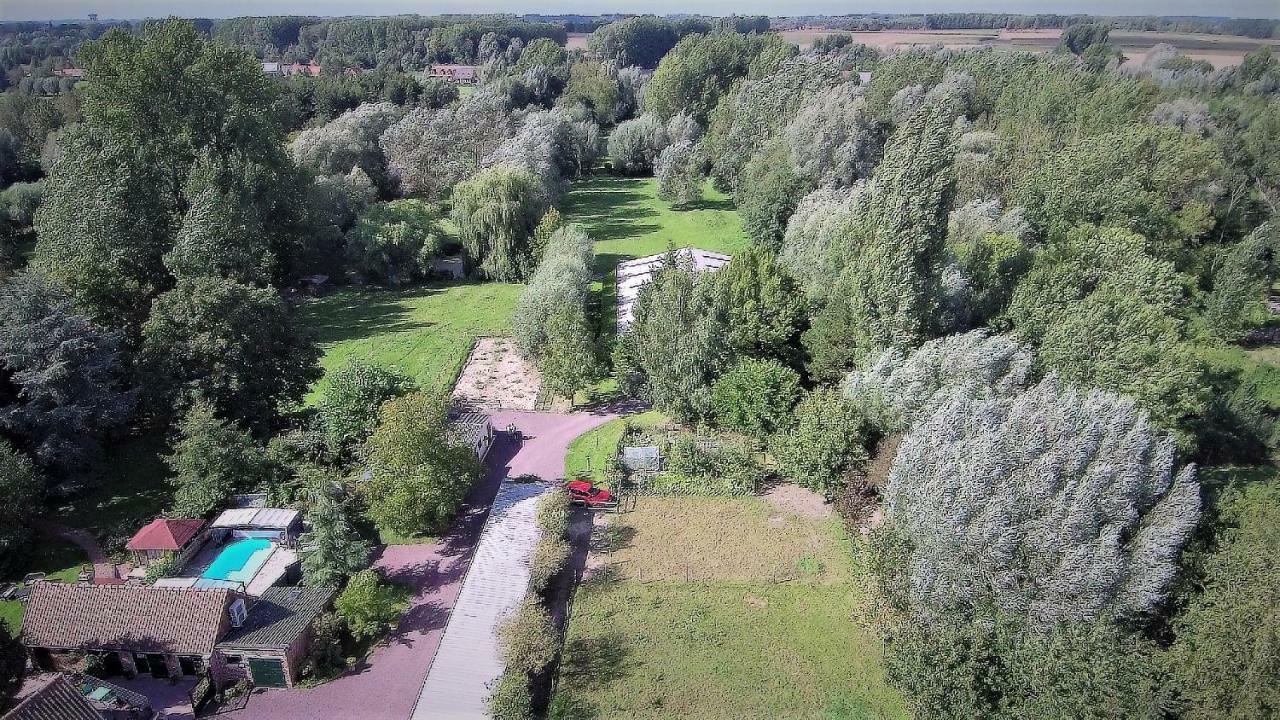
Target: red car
point(582, 492)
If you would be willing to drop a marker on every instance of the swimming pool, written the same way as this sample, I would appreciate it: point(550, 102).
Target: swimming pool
point(239, 561)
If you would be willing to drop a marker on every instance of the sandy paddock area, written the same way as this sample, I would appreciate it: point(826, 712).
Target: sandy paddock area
point(497, 376)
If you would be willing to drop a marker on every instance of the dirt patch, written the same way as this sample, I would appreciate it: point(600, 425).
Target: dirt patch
point(497, 376)
point(796, 500)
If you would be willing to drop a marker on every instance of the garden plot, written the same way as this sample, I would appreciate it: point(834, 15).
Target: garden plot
point(720, 608)
point(497, 376)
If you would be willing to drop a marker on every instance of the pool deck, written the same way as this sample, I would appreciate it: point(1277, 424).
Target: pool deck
point(272, 571)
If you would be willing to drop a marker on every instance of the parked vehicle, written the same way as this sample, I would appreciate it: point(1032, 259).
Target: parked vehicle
point(586, 494)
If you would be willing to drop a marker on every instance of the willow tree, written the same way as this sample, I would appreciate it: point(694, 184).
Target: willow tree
point(1055, 505)
point(887, 295)
point(496, 212)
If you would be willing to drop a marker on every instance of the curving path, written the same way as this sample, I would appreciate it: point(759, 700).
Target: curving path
point(387, 684)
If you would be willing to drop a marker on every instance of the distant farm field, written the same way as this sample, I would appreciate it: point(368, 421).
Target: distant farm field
point(424, 332)
point(722, 608)
point(1221, 50)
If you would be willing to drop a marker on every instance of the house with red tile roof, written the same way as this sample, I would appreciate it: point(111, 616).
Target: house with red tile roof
point(216, 633)
point(165, 538)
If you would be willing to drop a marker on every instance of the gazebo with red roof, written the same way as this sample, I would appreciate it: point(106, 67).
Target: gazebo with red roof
point(166, 538)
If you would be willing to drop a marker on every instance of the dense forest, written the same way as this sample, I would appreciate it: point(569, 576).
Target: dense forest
point(1015, 304)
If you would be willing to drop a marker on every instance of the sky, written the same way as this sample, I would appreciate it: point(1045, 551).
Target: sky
point(69, 9)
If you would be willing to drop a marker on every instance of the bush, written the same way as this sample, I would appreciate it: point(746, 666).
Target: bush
point(20, 200)
point(704, 467)
point(348, 412)
point(826, 437)
point(325, 653)
point(679, 170)
point(634, 145)
point(755, 397)
point(162, 568)
point(370, 607)
point(394, 243)
point(562, 280)
point(527, 639)
point(510, 698)
point(553, 514)
point(549, 558)
point(419, 476)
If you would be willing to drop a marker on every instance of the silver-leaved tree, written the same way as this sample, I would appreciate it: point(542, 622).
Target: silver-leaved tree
point(896, 390)
point(1057, 504)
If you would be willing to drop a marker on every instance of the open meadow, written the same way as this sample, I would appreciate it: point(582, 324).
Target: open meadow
point(424, 332)
point(627, 220)
point(722, 608)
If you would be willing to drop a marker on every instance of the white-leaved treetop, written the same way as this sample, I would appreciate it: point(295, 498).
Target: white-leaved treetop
point(896, 390)
point(835, 138)
point(1057, 504)
point(349, 140)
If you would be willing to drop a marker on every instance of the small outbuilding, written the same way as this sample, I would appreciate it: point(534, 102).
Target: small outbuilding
point(164, 539)
point(474, 430)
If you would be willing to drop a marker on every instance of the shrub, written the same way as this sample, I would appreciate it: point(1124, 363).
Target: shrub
point(562, 280)
point(348, 412)
point(325, 653)
point(826, 437)
point(510, 699)
point(755, 397)
point(395, 242)
point(419, 476)
point(679, 170)
point(553, 514)
point(634, 145)
point(549, 558)
point(162, 568)
point(370, 607)
point(527, 639)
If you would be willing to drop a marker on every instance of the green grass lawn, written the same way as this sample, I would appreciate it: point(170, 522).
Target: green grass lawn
point(627, 220)
point(589, 454)
point(723, 608)
point(425, 332)
point(60, 561)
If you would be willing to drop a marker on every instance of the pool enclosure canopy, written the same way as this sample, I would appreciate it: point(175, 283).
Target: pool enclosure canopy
point(272, 523)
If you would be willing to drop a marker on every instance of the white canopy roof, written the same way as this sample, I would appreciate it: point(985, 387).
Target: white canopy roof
point(266, 518)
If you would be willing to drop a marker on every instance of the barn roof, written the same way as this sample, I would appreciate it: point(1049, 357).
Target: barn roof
point(139, 618)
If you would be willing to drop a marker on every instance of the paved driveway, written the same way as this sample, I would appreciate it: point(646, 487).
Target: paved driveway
point(386, 686)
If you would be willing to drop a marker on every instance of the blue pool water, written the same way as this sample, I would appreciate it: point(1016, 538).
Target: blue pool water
point(239, 561)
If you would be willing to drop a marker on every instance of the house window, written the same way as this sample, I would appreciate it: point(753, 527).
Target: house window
point(233, 659)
